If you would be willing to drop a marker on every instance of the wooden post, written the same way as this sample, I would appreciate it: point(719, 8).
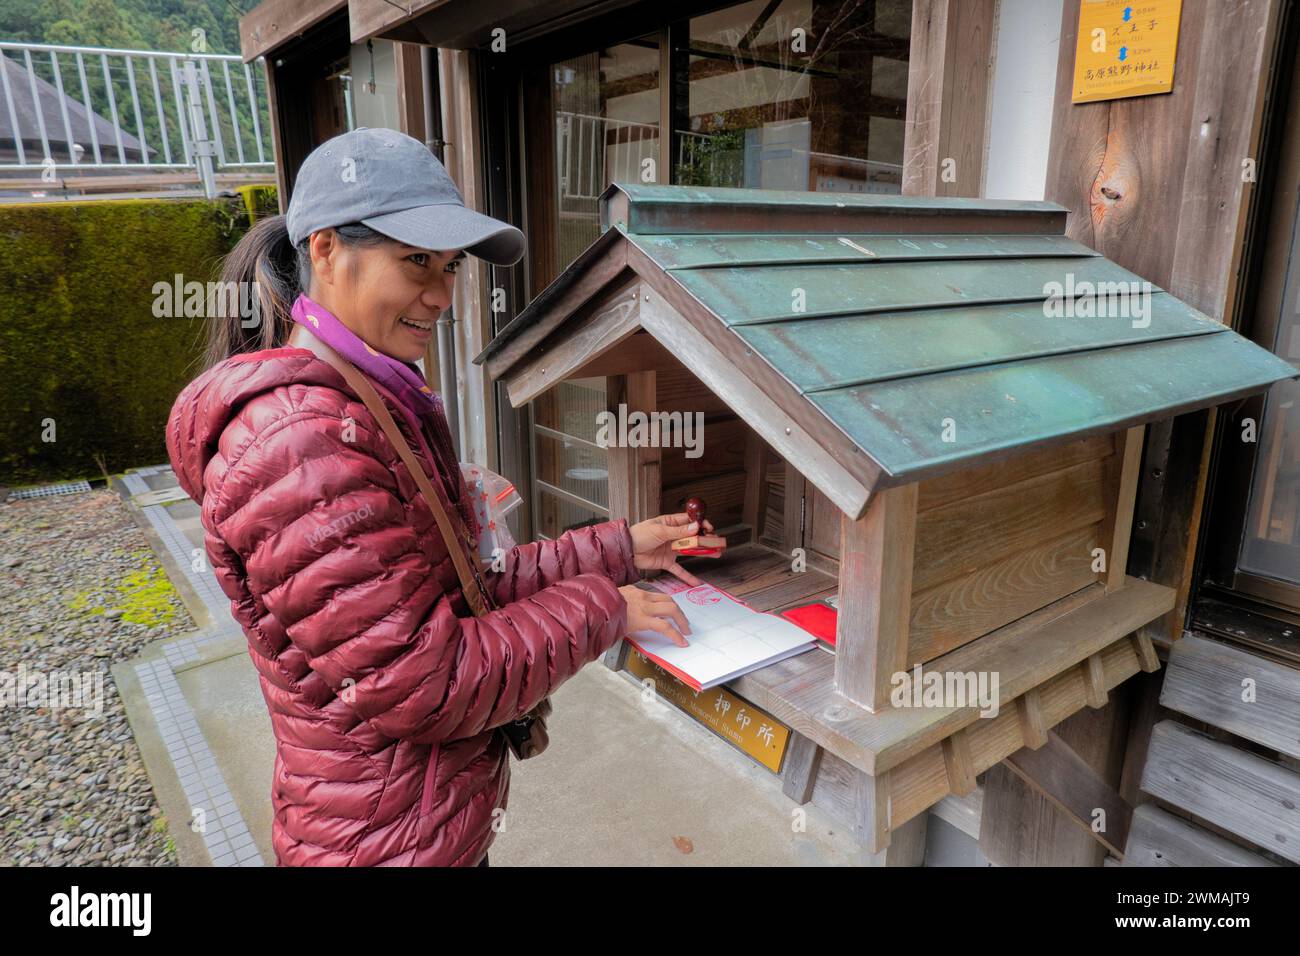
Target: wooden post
point(948, 86)
point(755, 483)
point(642, 394)
point(875, 596)
point(906, 844)
point(463, 157)
point(1033, 727)
point(1122, 470)
point(872, 810)
point(407, 66)
point(1094, 681)
point(959, 763)
point(792, 520)
point(633, 472)
point(277, 136)
point(803, 760)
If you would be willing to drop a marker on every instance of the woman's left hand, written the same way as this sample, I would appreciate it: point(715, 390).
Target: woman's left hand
point(652, 544)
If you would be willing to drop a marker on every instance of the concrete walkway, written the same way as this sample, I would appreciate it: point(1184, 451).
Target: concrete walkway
point(624, 782)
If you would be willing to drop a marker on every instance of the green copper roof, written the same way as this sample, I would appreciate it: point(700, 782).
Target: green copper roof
point(894, 316)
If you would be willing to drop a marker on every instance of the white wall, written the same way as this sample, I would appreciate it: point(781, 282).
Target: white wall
point(1025, 55)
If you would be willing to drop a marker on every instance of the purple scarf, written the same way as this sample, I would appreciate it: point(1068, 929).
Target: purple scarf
point(421, 404)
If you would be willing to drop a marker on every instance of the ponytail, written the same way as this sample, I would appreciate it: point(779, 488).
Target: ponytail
point(268, 273)
point(273, 271)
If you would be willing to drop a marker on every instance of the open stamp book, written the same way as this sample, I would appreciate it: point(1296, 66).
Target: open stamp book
point(727, 639)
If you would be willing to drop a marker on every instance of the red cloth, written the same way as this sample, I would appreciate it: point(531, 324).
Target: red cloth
point(384, 694)
point(819, 620)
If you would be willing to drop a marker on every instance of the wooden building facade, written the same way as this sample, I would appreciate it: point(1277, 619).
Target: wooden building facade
point(536, 107)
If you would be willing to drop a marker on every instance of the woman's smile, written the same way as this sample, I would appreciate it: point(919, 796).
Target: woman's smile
point(421, 330)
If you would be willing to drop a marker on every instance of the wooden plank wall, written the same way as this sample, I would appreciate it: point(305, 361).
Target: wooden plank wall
point(774, 522)
point(997, 542)
point(1237, 791)
point(718, 475)
point(1158, 838)
point(1155, 183)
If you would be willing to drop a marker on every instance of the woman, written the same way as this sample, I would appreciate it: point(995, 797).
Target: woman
point(385, 693)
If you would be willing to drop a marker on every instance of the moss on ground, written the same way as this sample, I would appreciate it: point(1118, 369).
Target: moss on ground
point(143, 596)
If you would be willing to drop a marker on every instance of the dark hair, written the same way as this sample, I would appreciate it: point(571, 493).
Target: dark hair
point(278, 271)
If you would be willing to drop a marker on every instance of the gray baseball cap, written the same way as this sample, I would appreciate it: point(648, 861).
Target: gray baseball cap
point(393, 184)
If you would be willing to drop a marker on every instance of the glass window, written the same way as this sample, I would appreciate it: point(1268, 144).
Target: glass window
point(571, 480)
point(767, 106)
point(602, 121)
point(606, 127)
point(1271, 544)
point(369, 87)
point(803, 95)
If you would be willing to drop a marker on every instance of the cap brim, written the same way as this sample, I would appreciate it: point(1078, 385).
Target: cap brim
point(450, 226)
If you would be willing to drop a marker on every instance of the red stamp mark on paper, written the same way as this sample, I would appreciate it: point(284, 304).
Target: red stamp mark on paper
point(704, 596)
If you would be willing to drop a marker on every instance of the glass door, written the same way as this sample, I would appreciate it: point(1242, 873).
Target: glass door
point(589, 120)
point(775, 94)
point(1269, 560)
point(1252, 549)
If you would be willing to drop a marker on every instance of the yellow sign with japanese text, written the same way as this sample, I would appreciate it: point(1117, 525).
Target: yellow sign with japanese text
point(1125, 48)
point(734, 719)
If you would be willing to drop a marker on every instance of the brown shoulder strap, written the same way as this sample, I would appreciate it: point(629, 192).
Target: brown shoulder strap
point(475, 593)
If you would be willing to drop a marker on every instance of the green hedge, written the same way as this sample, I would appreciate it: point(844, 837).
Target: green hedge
point(79, 341)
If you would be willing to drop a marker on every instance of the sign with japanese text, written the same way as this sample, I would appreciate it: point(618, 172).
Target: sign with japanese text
point(1125, 48)
point(734, 719)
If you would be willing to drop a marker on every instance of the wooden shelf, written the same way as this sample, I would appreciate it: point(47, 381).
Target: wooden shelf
point(1025, 654)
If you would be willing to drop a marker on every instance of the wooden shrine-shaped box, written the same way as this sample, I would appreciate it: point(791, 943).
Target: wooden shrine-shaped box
point(917, 393)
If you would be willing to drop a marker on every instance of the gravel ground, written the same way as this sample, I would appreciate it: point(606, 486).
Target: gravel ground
point(80, 590)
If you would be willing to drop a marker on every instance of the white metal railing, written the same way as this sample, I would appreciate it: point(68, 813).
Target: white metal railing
point(593, 151)
point(584, 145)
point(199, 116)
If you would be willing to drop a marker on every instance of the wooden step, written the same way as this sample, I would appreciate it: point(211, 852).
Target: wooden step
point(1204, 680)
point(1237, 791)
point(1157, 838)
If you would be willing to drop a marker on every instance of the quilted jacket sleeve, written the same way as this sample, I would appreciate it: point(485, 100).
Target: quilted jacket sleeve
point(604, 549)
point(328, 546)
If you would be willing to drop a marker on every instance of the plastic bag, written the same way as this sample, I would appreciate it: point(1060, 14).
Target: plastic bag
point(494, 498)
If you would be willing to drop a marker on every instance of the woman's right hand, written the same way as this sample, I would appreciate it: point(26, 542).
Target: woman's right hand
point(653, 611)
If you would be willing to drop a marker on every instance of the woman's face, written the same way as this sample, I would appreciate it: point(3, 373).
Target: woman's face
point(390, 294)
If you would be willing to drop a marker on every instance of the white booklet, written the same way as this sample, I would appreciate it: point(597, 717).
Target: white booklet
point(727, 639)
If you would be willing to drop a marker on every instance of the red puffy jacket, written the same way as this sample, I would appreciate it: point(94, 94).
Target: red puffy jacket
point(383, 691)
